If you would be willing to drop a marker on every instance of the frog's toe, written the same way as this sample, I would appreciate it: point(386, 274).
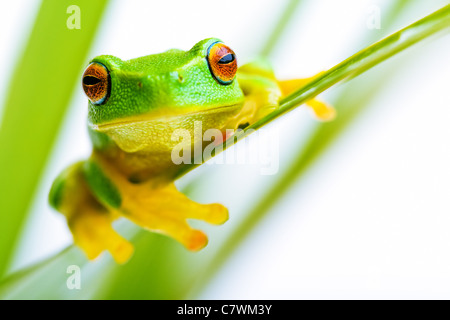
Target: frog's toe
point(322, 110)
point(174, 225)
point(195, 240)
point(93, 233)
point(212, 213)
point(91, 249)
point(121, 250)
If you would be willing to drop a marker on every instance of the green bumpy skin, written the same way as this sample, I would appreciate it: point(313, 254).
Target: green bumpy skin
point(104, 189)
point(175, 80)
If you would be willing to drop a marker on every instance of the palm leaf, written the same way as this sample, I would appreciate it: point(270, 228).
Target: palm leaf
point(36, 103)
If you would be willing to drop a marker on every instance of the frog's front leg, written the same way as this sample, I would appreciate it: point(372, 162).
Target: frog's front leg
point(166, 210)
point(89, 221)
point(263, 93)
point(156, 207)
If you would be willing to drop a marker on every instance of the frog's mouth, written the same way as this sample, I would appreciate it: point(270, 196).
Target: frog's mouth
point(165, 117)
point(161, 132)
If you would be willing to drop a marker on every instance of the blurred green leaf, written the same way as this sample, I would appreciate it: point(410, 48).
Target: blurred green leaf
point(282, 22)
point(39, 93)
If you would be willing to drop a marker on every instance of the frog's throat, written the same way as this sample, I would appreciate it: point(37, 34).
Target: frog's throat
point(164, 117)
point(160, 134)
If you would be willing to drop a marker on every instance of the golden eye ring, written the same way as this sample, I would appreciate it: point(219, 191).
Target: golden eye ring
point(222, 63)
point(97, 83)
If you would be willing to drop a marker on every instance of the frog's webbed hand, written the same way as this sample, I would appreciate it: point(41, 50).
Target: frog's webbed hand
point(165, 210)
point(159, 208)
point(88, 220)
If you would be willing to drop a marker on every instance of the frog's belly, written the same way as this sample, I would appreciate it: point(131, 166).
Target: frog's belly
point(144, 148)
point(162, 134)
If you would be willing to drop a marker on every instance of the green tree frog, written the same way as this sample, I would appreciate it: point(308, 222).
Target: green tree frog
point(134, 107)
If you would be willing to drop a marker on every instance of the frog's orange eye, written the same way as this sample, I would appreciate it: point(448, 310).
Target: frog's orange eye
point(222, 62)
point(96, 83)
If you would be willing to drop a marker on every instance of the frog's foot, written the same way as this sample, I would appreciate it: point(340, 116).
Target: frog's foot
point(88, 220)
point(322, 110)
point(93, 233)
point(165, 210)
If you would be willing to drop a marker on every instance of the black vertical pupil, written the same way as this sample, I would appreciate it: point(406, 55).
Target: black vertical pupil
point(227, 58)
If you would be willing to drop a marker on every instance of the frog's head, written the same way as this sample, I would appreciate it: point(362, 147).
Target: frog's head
point(130, 99)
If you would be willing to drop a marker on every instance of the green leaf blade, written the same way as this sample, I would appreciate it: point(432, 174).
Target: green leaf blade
point(39, 93)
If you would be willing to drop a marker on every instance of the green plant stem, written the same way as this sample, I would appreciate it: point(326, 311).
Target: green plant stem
point(348, 69)
point(350, 104)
